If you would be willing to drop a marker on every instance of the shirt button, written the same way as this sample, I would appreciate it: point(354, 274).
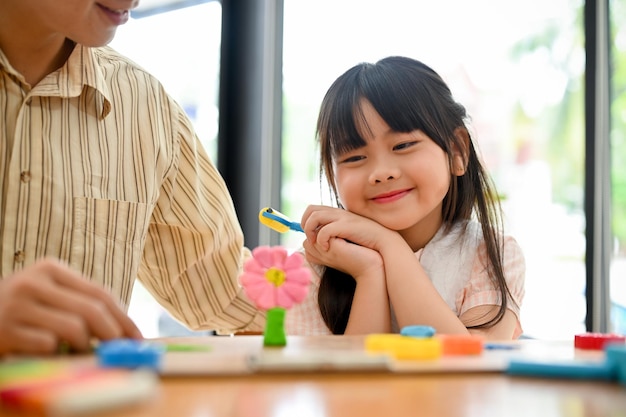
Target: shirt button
point(25, 176)
point(19, 256)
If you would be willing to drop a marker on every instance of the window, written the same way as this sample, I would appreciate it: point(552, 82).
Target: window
point(182, 49)
point(618, 159)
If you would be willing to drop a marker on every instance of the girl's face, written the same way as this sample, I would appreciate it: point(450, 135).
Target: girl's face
point(397, 179)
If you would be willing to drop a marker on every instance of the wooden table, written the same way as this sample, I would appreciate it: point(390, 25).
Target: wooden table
point(373, 392)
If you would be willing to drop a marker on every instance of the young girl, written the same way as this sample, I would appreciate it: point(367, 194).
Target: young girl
point(417, 235)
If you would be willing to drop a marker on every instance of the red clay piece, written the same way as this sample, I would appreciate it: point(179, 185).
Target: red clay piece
point(596, 341)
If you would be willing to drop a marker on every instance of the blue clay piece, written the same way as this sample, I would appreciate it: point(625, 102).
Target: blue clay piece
point(130, 354)
point(616, 357)
point(418, 331)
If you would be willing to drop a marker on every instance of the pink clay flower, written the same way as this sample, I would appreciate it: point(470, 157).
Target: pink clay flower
point(272, 278)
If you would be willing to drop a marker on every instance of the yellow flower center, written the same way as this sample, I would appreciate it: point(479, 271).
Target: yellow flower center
point(275, 276)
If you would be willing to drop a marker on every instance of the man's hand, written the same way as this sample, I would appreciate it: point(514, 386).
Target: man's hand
point(48, 303)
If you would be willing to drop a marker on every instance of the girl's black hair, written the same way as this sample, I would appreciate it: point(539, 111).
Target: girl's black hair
point(409, 96)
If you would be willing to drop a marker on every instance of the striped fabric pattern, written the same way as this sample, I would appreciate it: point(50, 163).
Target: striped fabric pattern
point(101, 168)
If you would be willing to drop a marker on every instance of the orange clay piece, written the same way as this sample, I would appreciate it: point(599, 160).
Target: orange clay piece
point(461, 344)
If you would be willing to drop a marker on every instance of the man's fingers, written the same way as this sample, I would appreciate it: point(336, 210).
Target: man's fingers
point(102, 316)
point(70, 292)
point(63, 324)
point(28, 340)
point(48, 302)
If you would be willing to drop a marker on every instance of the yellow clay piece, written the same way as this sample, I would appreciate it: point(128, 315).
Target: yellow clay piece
point(403, 347)
point(272, 223)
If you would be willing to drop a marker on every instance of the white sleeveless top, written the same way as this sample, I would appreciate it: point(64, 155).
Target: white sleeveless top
point(455, 262)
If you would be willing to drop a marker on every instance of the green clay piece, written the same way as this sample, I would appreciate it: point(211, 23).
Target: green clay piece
point(13, 372)
point(275, 327)
point(187, 348)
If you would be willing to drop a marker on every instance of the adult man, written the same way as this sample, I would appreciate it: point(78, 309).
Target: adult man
point(102, 177)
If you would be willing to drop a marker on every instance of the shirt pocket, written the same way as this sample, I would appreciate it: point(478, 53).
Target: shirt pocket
point(107, 242)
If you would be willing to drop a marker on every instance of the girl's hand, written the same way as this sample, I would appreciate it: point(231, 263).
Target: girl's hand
point(356, 261)
point(330, 242)
point(321, 224)
point(48, 303)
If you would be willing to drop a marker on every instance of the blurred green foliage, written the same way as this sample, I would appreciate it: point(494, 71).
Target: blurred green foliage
point(618, 121)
